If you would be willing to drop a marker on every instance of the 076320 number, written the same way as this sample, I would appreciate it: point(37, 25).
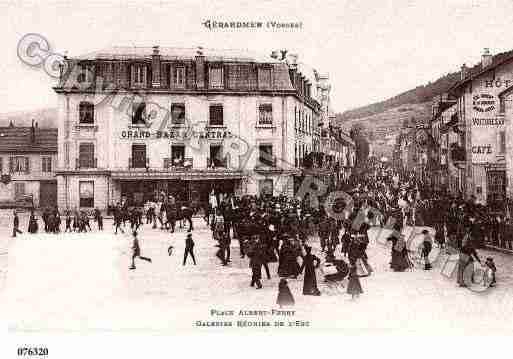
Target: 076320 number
point(35, 351)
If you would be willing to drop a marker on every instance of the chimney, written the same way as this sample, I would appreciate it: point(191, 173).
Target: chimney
point(292, 60)
point(200, 69)
point(486, 58)
point(463, 72)
point(274, 54)
point(155, 67)
point(32, 133)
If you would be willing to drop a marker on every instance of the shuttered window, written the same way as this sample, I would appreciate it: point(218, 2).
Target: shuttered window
point(265, 114)
point(46, 164)
point(86, 113)
point(86, 155)
point(19, 164)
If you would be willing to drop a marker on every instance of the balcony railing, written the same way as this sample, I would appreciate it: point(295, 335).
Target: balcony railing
point(138, 162)
point(217, 162)
point(178, 163)
point(81, 163)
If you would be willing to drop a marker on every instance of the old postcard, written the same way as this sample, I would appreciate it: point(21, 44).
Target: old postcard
point(243, 167)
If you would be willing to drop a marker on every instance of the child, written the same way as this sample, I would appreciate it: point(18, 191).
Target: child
point(285, 297)
point(491, 269)
point(354, 287)
point(137, 251)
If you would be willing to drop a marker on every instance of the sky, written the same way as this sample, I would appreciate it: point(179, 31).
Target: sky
point(372, 50)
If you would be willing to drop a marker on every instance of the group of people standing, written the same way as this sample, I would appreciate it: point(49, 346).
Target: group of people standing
point(75, 221)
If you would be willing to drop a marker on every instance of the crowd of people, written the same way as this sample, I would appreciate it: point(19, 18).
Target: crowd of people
point(282, 230)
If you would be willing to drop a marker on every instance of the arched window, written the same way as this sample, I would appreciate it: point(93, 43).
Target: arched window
point(86, 113)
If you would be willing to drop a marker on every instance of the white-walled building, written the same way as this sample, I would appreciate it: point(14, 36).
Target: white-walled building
point(136, 122)
point(482, 99)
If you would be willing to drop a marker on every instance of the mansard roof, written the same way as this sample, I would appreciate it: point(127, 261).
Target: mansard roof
point(176, 53)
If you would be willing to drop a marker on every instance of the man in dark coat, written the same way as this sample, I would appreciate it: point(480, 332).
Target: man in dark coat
point(16, 224)
point(189, 249)
point(98, 218)
point(255, 254)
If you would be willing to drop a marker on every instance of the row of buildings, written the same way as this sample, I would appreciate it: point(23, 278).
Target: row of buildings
point(466, 148)
point(138, 122)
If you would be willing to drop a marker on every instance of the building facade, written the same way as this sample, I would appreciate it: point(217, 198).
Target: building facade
point(448, 165)
point(481, 96)
point(27, 166)
point(135, 123)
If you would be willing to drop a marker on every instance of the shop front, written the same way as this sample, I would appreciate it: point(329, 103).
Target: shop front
point(192, 187)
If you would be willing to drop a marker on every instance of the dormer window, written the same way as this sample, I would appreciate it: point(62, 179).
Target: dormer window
point(179, 76)
point(139, 75)
point(215, 77)
point(85, 73)
point(264, 78)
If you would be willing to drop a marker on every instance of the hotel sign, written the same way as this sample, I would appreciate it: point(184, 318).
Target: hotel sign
point(176, 134)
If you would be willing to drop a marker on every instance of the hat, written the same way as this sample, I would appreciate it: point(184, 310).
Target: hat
point(189, 235)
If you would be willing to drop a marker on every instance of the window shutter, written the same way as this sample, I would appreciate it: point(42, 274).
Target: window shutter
point(11, 164)
point(132, 75)
point(27, 165)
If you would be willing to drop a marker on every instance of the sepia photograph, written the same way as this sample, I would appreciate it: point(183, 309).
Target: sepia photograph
point(256, 167)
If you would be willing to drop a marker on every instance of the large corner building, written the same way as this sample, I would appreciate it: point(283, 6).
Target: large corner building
point(134, 123)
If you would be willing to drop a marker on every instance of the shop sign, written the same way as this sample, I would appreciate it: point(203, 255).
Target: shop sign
point(483, 102)
point(178, 134)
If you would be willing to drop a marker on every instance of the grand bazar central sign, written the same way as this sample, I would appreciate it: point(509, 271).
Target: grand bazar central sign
point(176, 134)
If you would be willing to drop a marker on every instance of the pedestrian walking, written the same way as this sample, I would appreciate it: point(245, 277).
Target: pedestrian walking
point(189, 249)
point(427, 246)
point(136, 251)
point(16, 224)
point(310, 263)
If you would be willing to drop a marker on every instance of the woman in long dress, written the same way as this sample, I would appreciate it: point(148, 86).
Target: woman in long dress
point(310, 263)
point(288, 266)
point(32, 226)
point(399, 261)
point(354, 286)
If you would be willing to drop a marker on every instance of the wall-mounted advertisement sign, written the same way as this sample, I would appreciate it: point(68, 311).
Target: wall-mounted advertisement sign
point(485, 127)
